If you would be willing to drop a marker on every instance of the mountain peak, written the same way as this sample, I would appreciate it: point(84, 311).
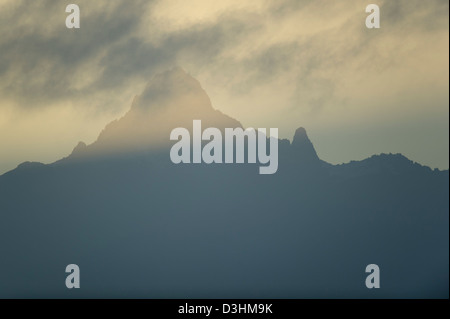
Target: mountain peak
point(173, 88)
point(300, 136)
point(171, 99)
point(302, 147)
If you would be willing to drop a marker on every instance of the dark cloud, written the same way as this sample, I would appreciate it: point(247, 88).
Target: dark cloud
point(201, 45)
point(42, 61)
point(416, 15)
point(39, 58)
point(39, 65)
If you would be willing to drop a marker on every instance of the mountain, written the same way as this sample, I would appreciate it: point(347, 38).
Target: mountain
point(140, 226)
point(172, 99)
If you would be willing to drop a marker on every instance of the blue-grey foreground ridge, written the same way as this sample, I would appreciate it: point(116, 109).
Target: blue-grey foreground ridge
point(140, 226)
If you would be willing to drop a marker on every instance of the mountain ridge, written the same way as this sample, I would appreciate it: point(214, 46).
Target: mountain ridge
point(177, 92)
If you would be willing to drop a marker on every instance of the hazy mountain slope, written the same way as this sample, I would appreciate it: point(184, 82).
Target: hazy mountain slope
point(140, 226)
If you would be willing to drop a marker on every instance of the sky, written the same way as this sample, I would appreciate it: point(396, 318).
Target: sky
point(283, 64)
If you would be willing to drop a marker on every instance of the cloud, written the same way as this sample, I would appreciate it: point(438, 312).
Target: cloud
point(43, 62)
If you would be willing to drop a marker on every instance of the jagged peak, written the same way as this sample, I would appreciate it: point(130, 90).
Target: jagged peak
point(303, 148)
point(300, 136)
point(171, 99)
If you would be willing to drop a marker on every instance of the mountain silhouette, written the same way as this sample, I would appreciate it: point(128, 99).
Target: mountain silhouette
point(140, 226)
point(172, 99)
